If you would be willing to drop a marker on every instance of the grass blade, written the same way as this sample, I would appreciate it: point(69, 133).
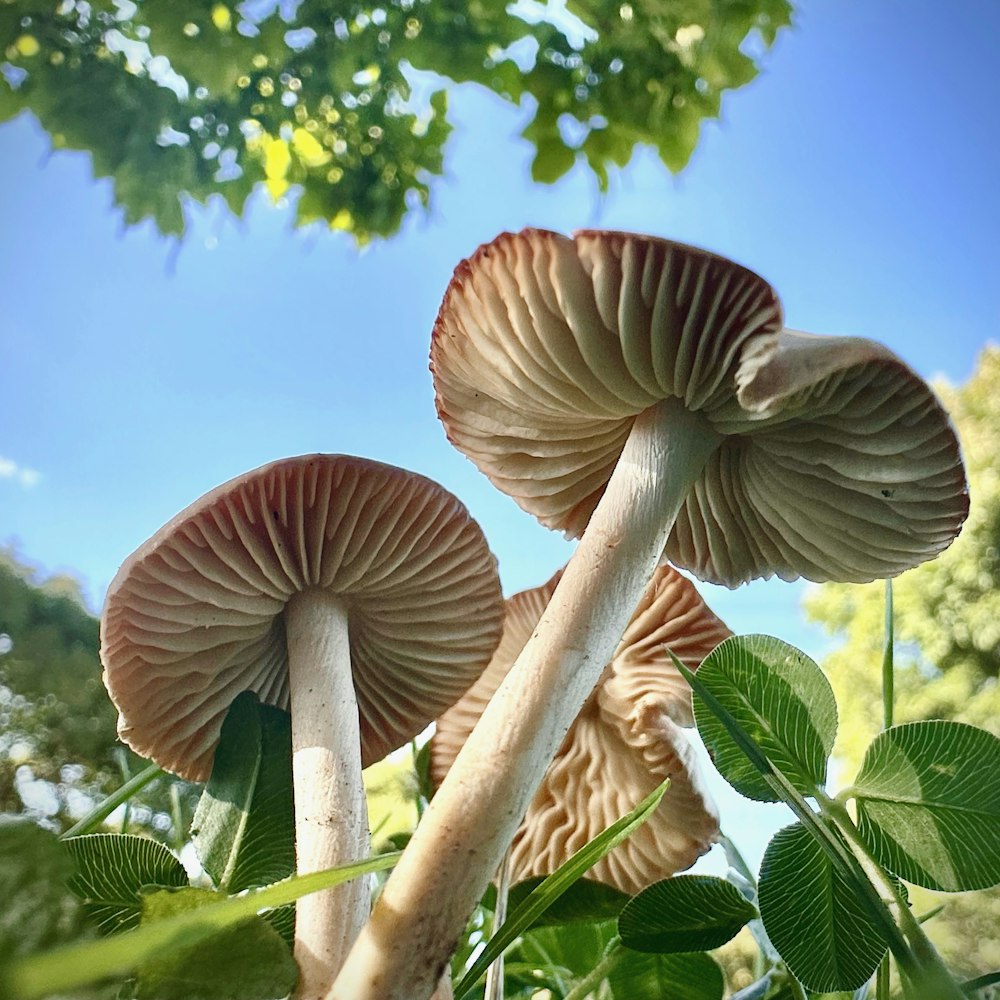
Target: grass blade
point(102, 810)
point(551, 888)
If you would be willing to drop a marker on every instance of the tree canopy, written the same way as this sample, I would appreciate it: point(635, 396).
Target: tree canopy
point(57, 724)
point(947, 639)
point(347, 101)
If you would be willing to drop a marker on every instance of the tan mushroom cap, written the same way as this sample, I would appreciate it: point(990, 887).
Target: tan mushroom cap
point(194, 616)
point(837, 461)
point(625, 741)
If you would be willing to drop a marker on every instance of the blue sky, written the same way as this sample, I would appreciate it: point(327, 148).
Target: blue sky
point(858, 173)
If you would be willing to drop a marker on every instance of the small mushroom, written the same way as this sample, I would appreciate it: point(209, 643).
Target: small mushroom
point(643, 395)
point(360, 596)
point(625, 741)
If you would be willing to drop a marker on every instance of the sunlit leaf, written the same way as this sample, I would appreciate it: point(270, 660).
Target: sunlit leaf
point(928, 801)
point(813, 916)
point(837, 853)
point(552, 159)
point(781, 699)
point(112, 870)
point(684, 914)
point(244, 826)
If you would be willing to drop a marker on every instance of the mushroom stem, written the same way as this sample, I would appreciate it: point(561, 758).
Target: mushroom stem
point(331, 816)
point(458, 845)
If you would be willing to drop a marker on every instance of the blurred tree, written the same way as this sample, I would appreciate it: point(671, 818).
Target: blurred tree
point(947, 652)
point(59, 750)
point(347, 100)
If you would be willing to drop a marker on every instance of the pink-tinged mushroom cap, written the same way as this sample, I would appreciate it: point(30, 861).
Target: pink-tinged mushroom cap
point(361, 597)
point(624, 742)
point(835, 461)
point(195, 616)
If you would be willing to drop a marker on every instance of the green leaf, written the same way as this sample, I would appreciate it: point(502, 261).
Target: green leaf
point(830, 841)
point(552, 887)
point(248, 961)
point(422, 768)
point(65, 968)
point(244, 826)
point(667, 977)
point(676, 142)
point(782, 700)
point(585, 901)
point(112, 870)
point(36, 908)
point(553, 158)
point(250, 63)
point(928, 802)
point(860, 993)
point(556, 957)
point(607, 145)
point(683, 914)
point(813, 916)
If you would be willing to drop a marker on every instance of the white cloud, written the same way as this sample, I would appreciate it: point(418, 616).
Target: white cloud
point(9, 469)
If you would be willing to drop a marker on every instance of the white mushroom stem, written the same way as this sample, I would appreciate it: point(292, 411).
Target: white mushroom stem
point(462, 836)
point(331, 816)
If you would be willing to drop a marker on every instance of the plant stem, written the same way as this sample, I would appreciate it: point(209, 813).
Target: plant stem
point(102, 810)
point(123, 767)
point(930, 914)
point(176, 817)
point(414, 750)
point(797, 990)
point(887, 658)
point(971, 986)
point(736, 860)
point(494, 974)
point(882, 980)
point(590, 982)
point(929, 978)
point(472, 818)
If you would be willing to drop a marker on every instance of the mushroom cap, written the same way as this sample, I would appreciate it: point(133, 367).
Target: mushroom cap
point(194, 616)
point(837, 461)
point(625, 741)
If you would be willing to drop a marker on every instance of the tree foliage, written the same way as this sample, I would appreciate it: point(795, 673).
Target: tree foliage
point(947, 628)
point(57, 725)
point(346, 101)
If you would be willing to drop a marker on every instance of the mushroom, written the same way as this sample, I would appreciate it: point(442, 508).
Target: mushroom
point(644, 391)
point(360, 596)
point(625, 741)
